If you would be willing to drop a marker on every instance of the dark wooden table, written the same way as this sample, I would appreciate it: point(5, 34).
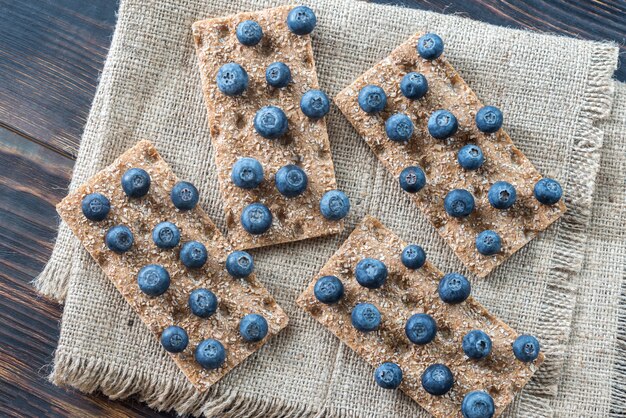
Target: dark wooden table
point(51, 54)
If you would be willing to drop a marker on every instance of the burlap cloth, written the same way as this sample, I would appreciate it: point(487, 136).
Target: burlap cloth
point(552, 90)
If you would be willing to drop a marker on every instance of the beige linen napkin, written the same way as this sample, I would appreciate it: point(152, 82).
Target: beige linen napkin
point(552, 90)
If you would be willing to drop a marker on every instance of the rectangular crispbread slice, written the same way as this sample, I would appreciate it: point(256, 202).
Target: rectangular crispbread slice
point(237, 297)
point(407, 292)
point(232, 131)
point(438, 158)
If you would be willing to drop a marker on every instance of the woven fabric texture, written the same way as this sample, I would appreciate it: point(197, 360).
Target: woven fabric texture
point(552, 91)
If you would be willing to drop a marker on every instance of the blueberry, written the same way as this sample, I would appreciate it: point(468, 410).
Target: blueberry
point(547, 191)
point(193, 254)
point(399, 127)
point(247, 173)
point(372, 99)
point(328, 289)
point(454, 288)
point(119, 239)
point(371, 273)
point(166, 235)
point(249, 33)
point(334, 205)
point(270, 122)
point(488, 242)
point(232, 79)
point(184, 195)
point(256, 218)
point(202, 303)
point(239, 264)
point(502, 195)
point(437, 379)
point(476, 344)
point(414, 86)
point(136, 182)
point(420, 329)
point(314, 104)
point(470, 157)
point(253, 328)
point(489, 119)
point(526, 348)
point(174, 339)
point(301, 20)
point(478, 404)
point(430, 46)
point(291, 180)
point(442, 124)
point(459, 203)
point(95, 206)
point(413, 256)
point(278, 75)
point(210, 354)
point(365, 317)
point(153, 280)
point(412, 179)
point(388, 375)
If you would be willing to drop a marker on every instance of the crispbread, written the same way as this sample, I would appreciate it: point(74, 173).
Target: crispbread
point(233, 136)
point(405, 293)
point(237, 297)
point(447, 90)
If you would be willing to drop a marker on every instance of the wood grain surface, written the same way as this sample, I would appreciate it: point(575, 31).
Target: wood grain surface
point(51, 55)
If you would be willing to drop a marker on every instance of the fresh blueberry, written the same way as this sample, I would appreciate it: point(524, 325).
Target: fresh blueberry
point(412, 179)
point(459, 203)
point(247, 173)
point(371, 273)
point(437, 379)
point(278, 75)
point(174, 339)
point(95, 206)
point(270, 122)
point(136, 182)
point(119, 239)
point(184, 195)
point(454, 288)
point(291, 180)
point(414, 86)
point(488, 242)
point(470, 157)
point(239, 264)
point(476, 344)
point(489, 119)
point(365, 317)
point(166, 235)
point(430, 46)
point(328, 289)
point(210, 354)
point(399, 127)
point(372, 99)
point(301, 20)
point(256, 218)
point(420, 329)
point(193, 254)
point(388, 375)
point(153, 280)
point(314, 104)
point(478, 404)
point(442, 124)
point(547, 191)
point(502, 195)
point(526, 348)
point(232, 79)
point(253, 328)
point(334, 205)
point(413, 256)
point(249, 33)
point(202, 302)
